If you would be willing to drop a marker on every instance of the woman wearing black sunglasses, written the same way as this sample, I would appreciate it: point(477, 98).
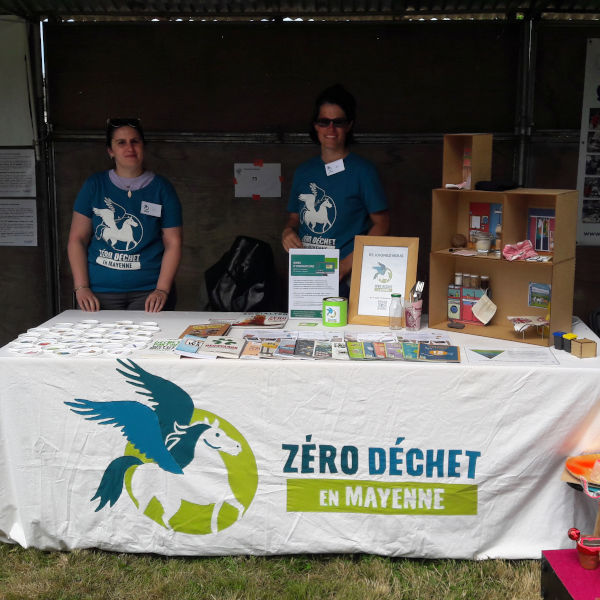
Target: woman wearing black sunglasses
point(338, 194)
point(126, 235)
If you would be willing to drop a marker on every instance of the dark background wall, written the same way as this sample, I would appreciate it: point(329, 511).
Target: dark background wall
point(212, 94)
point(220, 77)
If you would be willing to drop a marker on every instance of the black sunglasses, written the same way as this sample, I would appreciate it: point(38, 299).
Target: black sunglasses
point(124, 122)
point(341, 122)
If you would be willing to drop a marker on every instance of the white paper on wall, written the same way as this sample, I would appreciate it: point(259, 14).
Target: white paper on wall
point(262, 180)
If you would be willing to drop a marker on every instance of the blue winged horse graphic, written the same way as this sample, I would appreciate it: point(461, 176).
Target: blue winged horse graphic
point(163, 433)
point(380, 270)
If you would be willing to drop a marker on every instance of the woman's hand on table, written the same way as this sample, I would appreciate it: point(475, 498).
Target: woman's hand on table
point(290, 239)
point(156, 300)
point(289, 235)
point(86, 299)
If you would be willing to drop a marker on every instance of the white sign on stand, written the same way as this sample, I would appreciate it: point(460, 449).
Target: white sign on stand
point(313, 275)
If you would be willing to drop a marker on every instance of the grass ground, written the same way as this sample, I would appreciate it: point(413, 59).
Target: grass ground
point(92, 574)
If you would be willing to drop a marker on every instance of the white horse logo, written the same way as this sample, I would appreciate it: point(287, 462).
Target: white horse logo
point(204, 480)
point(118, 226)
point(319, 209)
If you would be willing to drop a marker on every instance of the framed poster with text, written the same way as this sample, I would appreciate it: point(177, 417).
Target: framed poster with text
point(381, 266)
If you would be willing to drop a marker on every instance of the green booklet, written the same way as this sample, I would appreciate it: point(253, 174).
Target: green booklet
point(411, 350)
point(355, 350)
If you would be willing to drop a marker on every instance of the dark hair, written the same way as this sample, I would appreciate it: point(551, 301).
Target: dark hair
point(113, 124)
point(335, 94)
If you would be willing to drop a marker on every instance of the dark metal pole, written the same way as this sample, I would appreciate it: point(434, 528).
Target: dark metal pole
point(526, 90)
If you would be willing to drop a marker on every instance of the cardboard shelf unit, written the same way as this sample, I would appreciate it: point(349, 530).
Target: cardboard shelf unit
point(477, 146)
point(509, 281)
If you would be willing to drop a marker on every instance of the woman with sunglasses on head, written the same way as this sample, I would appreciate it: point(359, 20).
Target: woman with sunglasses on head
point(338, 194)
point(126, 232)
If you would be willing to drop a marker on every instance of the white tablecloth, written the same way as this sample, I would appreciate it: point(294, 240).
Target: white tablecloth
point(393, 458)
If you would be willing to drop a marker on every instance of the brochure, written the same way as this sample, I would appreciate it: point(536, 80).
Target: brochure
point(379, 348)
point(163, 345)
point(369, 350)
point(268, 333)
point(313, 275)
point(339, 351)
point(162, 348)
point(394, 350)
point(261, 319)
point(325, 336)
point(268, 347)
point(355, 350)
point(425, 336)
point(323, 350)
point(225, 347)
point(410, 350)
point(191, 346)
point(304, 348)
point(205, 329)
point(439, 353)
point(370, 336)
point(285, 349)
point(518, 356)
point(251, 349)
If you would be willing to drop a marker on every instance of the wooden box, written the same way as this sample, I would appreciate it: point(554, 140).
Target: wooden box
point(476, 146)
point(583, 348)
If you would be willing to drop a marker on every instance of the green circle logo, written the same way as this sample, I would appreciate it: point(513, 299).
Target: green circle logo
point(215, 489)
point(385, 277)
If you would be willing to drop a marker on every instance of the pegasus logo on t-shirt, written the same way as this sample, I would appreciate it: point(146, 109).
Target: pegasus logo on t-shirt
point(120, 229)
point(319, 212)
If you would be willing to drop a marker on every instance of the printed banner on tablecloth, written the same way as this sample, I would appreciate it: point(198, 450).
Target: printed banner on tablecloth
point(164, 457)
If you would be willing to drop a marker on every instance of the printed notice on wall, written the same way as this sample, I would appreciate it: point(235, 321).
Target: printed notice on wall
point(588, 173)
point(18, 222)
point(257, 180)
point(17, 173)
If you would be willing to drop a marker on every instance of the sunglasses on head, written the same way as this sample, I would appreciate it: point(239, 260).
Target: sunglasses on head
point(341, 122)
point(123, 122)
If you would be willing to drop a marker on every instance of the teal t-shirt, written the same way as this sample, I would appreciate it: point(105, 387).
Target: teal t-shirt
point(126, 247)
point(335, 208)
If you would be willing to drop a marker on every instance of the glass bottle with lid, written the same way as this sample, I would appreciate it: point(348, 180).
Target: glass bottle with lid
point(396, 312)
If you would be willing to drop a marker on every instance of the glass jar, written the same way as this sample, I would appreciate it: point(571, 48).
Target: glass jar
point(483, 242)
point(466, 280)
point(396, 312)
point(485, 282)
point(458, 278)
point(475, 281)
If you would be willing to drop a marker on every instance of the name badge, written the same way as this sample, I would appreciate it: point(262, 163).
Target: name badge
point(151, 209)
point(337, 166)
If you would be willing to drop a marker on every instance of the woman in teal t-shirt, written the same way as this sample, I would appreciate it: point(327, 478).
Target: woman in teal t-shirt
point(126, 233)
point(336, 195)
